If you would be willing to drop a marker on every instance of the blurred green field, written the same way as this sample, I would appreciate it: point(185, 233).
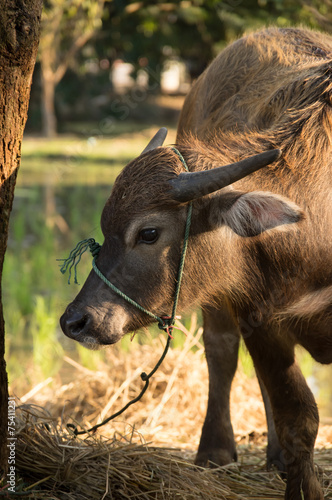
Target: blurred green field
point(62, 186)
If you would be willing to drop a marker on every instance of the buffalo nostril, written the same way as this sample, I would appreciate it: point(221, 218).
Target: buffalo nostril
point(74, 323)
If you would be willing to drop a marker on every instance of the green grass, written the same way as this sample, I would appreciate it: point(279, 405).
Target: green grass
point(72, 162)
point(88, 158)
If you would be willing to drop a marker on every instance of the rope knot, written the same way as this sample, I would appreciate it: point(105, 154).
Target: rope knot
point(94, 248)
point(166, 323)
point(76, 254)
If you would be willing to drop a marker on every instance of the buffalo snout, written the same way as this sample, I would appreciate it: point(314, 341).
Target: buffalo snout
point(94, 325)
point(75, 323)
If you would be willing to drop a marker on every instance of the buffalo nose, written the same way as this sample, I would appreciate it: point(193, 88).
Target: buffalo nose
point(73, 323)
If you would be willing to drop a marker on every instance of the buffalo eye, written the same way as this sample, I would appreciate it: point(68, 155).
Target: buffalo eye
point(148, 235)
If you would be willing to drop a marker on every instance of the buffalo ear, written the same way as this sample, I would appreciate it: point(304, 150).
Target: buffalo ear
point(253, 213)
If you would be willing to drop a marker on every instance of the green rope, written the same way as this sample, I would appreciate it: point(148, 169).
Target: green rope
point(164, 323)
point(144, 377)
point(76, 254)
point(123, 295)
point(184, 248)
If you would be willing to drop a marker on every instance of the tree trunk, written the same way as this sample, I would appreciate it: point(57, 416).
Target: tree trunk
point(19, 38)
point(49, 122)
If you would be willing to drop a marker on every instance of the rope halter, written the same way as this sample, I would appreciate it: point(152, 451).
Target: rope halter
point(165, 322)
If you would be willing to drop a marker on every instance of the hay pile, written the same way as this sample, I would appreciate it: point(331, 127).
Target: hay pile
point(64, 467)
point(59, 466)
point(118, 462)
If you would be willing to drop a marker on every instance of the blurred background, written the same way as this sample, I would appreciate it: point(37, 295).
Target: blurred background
point(108, 75)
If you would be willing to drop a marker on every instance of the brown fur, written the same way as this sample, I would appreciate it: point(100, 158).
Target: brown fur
point(290, 108)
point(271, 89)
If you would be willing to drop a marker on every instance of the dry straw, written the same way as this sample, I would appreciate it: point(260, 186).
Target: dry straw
point(60, 467)
point(117, 463)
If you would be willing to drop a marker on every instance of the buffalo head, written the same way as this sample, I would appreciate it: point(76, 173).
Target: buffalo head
point(143, 225)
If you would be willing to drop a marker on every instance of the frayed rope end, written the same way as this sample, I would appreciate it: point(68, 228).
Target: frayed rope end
point(76, 254)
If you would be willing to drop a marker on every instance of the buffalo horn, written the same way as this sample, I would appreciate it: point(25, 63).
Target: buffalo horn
point(188, 186)
point(157, 140)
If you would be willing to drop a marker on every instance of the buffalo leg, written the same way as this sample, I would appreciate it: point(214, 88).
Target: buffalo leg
point(294, 410)
point(274, 454)
point(221, 340)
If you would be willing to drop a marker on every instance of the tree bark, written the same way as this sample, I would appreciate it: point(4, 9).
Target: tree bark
point(19, 38)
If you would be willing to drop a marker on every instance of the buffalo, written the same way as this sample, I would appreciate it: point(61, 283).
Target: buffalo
point(259, 259)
